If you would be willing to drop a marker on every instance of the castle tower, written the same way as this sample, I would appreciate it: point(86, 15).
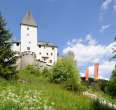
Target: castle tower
point(96, 71)
point(28, 33)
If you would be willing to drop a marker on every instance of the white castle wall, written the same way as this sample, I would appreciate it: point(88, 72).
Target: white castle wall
point(16, 47)
point(47, 54)
point(28, 38)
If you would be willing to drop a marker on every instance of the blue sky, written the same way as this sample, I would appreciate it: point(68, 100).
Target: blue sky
point(63, 21)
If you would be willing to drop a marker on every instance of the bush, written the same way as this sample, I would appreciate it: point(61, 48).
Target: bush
point(46, 72)
point(113, 74)
point(66, 72)
point(30, 69)
point(59, 72)
point(111, 87)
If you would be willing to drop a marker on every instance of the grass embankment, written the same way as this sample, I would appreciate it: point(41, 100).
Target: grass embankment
point(106, 97)
point(52, 96)
point(63, 99)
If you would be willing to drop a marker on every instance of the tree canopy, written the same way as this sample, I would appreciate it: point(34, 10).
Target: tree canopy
point(7, 56)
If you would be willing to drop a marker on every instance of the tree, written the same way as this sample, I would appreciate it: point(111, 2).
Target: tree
point(74, 82)
point(113, 74)
point(7, 56)
point(65, 72)
point(111, 87)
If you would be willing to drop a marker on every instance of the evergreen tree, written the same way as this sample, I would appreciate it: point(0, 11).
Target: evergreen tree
point(113, 74)
point(7, 56)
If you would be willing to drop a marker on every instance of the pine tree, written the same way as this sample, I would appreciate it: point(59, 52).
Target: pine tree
point(7, 56)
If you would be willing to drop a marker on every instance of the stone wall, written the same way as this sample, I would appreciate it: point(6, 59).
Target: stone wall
point(29, 58)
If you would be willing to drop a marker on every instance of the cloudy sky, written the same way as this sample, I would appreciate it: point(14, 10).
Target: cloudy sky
point(88, 52)
point(86, 27)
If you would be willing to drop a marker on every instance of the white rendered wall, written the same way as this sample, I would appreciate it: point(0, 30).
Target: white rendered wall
point(16, 48)
point(47, 49)
point(28, 38)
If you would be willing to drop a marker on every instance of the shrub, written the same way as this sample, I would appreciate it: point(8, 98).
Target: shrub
point(111, 87)
point(59, 72)
point(113, 74)
point(30, 69)
point(66, 72)
point(46, 72)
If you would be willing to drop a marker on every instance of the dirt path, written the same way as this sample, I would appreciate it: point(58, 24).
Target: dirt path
point(100, 99)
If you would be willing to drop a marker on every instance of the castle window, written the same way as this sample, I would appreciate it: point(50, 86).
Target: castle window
point(17, 44)
point(46, 53)
point(28, 48)
point(50, 61)
point(44, 59)
point(39, 46)
point(52, 48)
point(27, 28)
point(29, 42)
point(40, 53)
point(51, 54)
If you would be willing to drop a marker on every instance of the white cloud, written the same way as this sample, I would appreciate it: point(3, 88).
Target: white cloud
point(106, 4)
point(114, 7)
point(104, 27)
point(74, 41)
point(90, 39)
point(88, 51)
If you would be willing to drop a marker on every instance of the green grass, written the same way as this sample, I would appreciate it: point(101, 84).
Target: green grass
point(63, 99)
point(56, 96)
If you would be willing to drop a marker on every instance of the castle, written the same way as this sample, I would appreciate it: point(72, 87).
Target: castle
point(29, 50)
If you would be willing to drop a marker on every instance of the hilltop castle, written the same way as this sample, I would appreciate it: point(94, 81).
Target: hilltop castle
point(29, 50)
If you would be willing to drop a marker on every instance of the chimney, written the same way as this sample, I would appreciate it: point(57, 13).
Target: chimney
point(96, 72)
point(87, 74)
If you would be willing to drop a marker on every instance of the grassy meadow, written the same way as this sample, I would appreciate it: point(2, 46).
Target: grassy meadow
point(32, 92)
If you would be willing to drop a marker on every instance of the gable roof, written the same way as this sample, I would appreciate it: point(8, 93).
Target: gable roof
point(29, 20)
